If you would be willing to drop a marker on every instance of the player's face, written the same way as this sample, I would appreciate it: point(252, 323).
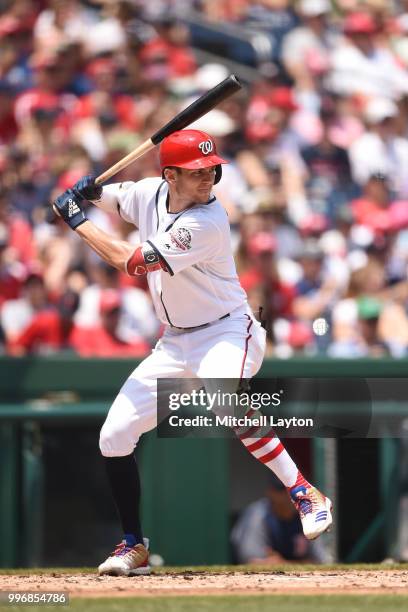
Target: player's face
point(196, 185)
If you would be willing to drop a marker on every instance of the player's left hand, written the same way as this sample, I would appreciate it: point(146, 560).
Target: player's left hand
point(70, 208)
point(87, 189)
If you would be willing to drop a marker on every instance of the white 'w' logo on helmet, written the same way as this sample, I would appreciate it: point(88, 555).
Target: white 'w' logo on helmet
point(206, 147)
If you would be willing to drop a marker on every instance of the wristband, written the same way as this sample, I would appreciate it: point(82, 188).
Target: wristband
point(145, 259)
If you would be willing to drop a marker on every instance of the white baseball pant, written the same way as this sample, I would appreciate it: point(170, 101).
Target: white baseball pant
point(229, 348)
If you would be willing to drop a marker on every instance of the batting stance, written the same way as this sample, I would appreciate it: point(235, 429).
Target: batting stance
point(210, 331)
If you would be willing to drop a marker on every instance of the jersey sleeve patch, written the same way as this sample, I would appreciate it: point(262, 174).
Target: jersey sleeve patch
point(181, 238)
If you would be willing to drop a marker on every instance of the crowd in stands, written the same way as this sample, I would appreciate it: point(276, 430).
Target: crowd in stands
point(316, 189)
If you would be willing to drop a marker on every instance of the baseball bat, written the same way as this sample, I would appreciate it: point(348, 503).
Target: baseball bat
point(194, 111)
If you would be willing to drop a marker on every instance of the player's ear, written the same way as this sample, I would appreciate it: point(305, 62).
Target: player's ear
point(170, 174)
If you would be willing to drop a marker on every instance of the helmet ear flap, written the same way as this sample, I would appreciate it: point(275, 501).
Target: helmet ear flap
point(218, 174)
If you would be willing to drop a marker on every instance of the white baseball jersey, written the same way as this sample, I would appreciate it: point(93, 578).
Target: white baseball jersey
point(201, 284)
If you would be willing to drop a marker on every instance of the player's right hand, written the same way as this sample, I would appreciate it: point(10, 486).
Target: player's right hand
point(87, 189)
point(70, 208)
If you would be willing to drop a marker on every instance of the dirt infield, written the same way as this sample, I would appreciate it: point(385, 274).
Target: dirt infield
point(207, 583)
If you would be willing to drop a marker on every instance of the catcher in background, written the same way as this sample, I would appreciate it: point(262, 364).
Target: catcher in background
point(210, 331)
point(269, 532)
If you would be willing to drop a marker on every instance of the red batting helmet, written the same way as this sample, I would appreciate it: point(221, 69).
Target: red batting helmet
point(190, 149)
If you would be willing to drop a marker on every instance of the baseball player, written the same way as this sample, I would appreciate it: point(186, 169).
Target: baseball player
point(210, 331)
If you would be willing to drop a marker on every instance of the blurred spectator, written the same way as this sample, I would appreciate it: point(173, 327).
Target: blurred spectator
point(103, 110)
point(272, 17)
point(398, 28)
point(268, 532)
point(361, 66)
point(11, 273)
point(15, 47)
point(17, 250)
point(316, 291)
point(17, 314)
point(136, 317)
point(305, 51)
point(226, 10)
point(167, 55)
point(50, 330)
point(365, 341)
point(369, 311)
point(30, 185)
point(328, 183)
point(18, 239)
point(278, 105)
point(376, 210)
point(104, 340)
point(61, 21)
point(282, 105)
point(8, 124)
point(262, 283)
point(381, 149)
point(371, 320)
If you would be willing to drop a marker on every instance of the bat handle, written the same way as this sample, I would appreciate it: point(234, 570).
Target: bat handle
point(125, 162)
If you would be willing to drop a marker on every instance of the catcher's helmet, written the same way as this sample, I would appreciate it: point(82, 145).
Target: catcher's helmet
point(191, 149)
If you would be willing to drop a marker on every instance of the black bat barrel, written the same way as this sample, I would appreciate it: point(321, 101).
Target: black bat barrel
point(199, 107)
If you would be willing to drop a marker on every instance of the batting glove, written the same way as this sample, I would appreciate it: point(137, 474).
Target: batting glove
point(70, 208)
point(87, 189)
